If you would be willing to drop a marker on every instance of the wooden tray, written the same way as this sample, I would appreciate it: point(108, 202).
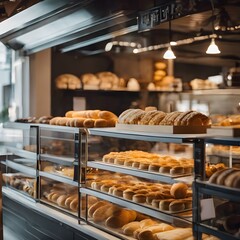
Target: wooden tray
point(224, 131)
point(162, 129)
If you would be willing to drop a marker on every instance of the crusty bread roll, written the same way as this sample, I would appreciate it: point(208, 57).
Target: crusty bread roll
point(88, 123)
point(129, 228)
point(175, 234)
point(69, 200)
point(95, 206)
point(100, 123)
point(103, 212)
point(179, 190)
point(68, 81)
point(223, 175)
point(69, 114)
point(61, 201)
point(120, 218)
point(106, 115)
point(147, 233)
point(177, 205)
point(78, 122)
point(213, 178)
point(74, 204)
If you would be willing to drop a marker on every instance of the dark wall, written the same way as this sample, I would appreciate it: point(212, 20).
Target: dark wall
point(188, 72)
point(115, 101)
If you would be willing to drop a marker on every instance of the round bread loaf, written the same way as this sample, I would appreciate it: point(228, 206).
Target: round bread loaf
point(179, 190)
point(129, 228)
point(69, 200)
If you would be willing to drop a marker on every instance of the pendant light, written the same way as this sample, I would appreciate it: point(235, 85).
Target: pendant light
point(213, 48)
point(169, 54)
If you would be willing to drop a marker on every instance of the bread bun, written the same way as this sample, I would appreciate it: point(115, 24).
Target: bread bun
point(129, 228)
point(179, 190)
point(176, 206)
point(213, 178)
point(106, 115)
point(100, 123)
point(222, 176)
point(88, 123)
point(95, 206)
point(103, 212)
point(231, 178)
point(74, 204)
point(61, 201)
point(120, 218)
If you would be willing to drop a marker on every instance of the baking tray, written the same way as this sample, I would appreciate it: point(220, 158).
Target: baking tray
point(227, 131)
point(162, 129)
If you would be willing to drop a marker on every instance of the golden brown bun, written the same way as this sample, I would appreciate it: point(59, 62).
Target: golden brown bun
point(95, 206)
point(69, 200)
point(68, 81)
point(129, 228)
point(79, 114)
point(148, 232)
point(88, 123)
point(103, 212)
point(69, 114)
point(100, 123)
point(61, 200)
point(177, 205)
point(78, 122)
point(179, 190)
point(106, 115)
point(74, 204)
point(223, 175)
point(120, 218)
point(213, 178)
point(54, 121)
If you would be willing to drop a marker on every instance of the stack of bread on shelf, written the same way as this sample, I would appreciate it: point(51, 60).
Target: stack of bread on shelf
point(231, 120)
point(68, 81)
point(136, 225)
point(87, 119)
point(151, 162)
point(165, 197)
point(229, 177)
point(200, 84)
point(225, 150)
point(20, 182)
point(228, 217)
point(62, 196)
point(151, 116)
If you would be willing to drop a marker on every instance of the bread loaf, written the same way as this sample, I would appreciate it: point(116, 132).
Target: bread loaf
point(120, 218)
point(103, 212)
point(175, 234)
point(95, 206)
point(179, 190)
point(129, 228)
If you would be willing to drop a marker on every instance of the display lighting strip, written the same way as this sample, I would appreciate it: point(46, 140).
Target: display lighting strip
point(134, 45)
point(175, 43)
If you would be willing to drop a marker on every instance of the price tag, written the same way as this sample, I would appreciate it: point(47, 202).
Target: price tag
point(207, 209)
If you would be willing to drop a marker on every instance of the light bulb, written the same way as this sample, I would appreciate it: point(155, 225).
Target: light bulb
point(169, 54)
point(108, 46)
point(213, 48)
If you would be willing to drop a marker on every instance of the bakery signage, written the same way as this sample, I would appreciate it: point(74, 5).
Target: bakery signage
point(153, 17)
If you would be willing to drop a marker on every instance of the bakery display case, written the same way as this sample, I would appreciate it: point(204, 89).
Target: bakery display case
point(218, 197)
point(141, 172)
point(20, 165)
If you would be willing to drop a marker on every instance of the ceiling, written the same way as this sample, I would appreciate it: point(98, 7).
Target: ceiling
point(86, 26)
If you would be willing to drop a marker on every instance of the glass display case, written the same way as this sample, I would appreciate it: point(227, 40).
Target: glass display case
point(218, 196)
